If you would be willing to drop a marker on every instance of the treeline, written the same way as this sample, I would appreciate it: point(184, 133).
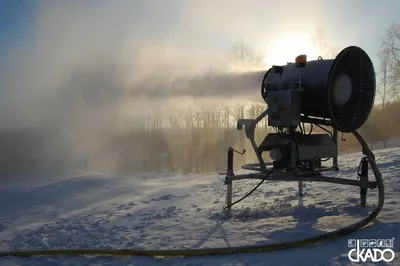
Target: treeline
point(198, 141)
point(383, 124)
point(193, 141)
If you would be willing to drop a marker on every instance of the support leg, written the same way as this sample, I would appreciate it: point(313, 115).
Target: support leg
point(228, 181)
point(229, 198)
point(301, 189)
point(363, 174)
point(335, 139)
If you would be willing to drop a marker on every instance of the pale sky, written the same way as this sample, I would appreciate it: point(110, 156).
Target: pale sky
point(206, 25)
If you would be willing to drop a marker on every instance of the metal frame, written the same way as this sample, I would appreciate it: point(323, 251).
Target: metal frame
point(168, 253)
point(300, 176)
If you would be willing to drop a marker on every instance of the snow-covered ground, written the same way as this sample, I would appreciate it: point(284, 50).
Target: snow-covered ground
point(169, 212)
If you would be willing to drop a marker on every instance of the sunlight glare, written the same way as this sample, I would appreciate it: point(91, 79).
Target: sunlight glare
point(287, 46)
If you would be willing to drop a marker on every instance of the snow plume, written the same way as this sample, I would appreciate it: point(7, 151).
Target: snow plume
point(91, 72)
point(93, 80)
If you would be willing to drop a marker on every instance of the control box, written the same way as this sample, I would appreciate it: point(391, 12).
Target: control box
point(284, 108)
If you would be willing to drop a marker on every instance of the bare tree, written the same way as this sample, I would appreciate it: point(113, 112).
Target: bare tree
point(257, 60)
point(384, 72)
point(243, 56)
point(391, 46)
point(320, 41)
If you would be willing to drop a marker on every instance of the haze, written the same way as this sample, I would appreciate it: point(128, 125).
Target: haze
point(87, 70)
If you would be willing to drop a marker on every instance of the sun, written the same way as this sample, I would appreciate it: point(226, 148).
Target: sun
point(288, 45)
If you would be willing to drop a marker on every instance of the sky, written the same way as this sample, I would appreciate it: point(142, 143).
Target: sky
point(44, 43)
point(16, 21)
point(214, 25)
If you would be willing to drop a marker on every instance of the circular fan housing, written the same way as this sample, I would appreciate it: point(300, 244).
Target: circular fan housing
point(351, 89)
point(340, 89)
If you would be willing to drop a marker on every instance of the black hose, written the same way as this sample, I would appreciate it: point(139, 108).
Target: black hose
point(249, 193)
point(324, 129)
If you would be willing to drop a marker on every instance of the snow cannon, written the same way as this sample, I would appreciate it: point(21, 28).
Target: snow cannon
point(340, 89)
point(335, 95)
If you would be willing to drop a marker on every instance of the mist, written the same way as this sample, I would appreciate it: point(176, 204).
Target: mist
point(95, 78)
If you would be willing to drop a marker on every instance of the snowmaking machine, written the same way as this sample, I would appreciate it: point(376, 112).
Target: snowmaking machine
point(336, 95)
